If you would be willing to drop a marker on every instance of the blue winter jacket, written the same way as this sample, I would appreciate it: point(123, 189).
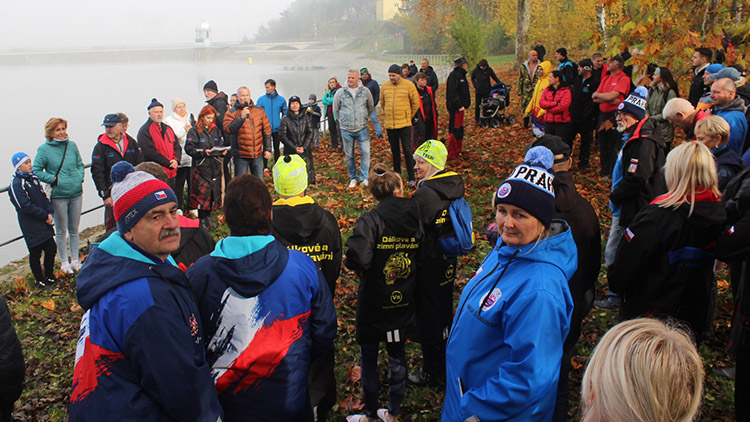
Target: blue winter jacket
point(140, 354)
point(505, 345)
point(275, 107)
point(734, 113)
point(33, 208)
point(268, 313)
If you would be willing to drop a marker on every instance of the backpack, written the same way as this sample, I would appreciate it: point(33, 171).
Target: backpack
point(461, 240)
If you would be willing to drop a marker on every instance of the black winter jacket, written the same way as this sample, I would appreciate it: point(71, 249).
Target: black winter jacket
point(457, 90)
point(643, 158)
point(303, 225)
point(195, 243)
point(383, 248)
point(435, 271)
point(697, 88)
point(482, 80)
point(12, 367)
point(33, 208)
point(205, 190)
point(664, 262)
point(584, 225)
point(582, 106)
point(220, 103)
point(295, 131)
point(728, 164)
point(432, 79)
point(106, 154)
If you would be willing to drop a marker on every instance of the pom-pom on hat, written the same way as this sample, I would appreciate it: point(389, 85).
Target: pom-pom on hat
point(154, 103)
point(19, 158)
point(135, 193)
point(529, 187)
point(290, 175)
point(434, 152)
point(635, 104)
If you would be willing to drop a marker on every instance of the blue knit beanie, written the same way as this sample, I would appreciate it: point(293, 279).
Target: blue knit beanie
point(19, 158)
point(155, 103)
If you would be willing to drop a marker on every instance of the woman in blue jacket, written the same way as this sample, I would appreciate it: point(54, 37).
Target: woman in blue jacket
point(505, 346)
point(58, 163)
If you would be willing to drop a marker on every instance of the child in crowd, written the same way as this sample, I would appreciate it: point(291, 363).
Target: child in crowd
point(35, 218)
point(313, 111)
point(382, 251)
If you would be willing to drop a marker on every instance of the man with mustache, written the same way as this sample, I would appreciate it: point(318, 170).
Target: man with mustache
point(140, 351)
point(636, 175)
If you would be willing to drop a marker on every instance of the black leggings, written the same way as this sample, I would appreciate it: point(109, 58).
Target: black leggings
point(35, 254)
point(371, 379)
point(183, 176)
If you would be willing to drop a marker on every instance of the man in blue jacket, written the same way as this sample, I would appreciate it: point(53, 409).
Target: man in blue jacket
point(275, 107)
point(730, 107)
point(140, 353)
point(374, 88)
point(267, 310)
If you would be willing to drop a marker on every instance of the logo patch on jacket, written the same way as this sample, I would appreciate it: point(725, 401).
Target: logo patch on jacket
point(629, 235)
point(397, 266)
point(490, 299)
point(633, 165)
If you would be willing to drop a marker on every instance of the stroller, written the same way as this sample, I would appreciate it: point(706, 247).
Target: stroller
point(493, 107)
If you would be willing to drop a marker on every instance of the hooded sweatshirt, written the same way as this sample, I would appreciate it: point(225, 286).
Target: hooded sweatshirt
point(267, 312)
point(505, 346)
point(734, 113)
point(140, 353)
point(542, 83)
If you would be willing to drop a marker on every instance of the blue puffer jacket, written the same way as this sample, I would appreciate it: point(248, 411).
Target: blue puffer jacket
point(275, 107)
point(505, 346)
point(268, 313)
point(140, 354)
point(33, 208)
point(353, 113)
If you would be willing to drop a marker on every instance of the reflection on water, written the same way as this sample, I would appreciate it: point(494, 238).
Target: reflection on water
point(84, 93)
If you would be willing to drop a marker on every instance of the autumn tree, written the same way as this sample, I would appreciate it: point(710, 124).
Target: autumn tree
point(468, 35)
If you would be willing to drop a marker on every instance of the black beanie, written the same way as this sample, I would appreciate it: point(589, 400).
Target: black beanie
point(154, 103)
point(529, 187)
point(211, 86)
point(394, 68)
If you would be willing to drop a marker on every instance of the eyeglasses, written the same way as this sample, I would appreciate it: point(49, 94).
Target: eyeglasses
point(620, 115)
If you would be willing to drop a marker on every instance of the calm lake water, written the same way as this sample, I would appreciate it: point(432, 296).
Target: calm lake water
point(83, 93)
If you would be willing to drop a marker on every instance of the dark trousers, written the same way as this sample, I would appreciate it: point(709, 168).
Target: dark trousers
point(183, 177)
point(401, 137)
point(584, 127)
point(434, 360)
point(35, 254)
point(310, 165)
point(322, 384)
point(333, 132)
point(9, 393)
point(563, 130)
point(226, 164)
point(109, 217)
point(276, 140)
point(418, 135)
point(742, 377)
point(371, 380)
point(608, 140)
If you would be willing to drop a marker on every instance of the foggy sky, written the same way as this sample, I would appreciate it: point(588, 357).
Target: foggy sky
point(51, 24)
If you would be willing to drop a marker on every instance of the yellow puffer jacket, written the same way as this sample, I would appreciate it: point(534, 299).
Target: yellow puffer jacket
point(400, 102)
point(542, 83)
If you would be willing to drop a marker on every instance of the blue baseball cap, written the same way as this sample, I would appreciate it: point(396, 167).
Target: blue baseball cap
point(111, 120)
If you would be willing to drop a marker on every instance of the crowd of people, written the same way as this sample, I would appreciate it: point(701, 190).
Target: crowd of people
point(179, 327)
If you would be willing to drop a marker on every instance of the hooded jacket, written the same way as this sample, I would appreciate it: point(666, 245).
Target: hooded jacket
point(432, 78)
point(436, 272)
point(505, 346)
point(664, 263)
point(295, 131)
point(400, 102)
point(383, 249)
point(533, 109)
point(275, 107)
point(205, 187)
point(106, 154)
point(728, 164)
point(353, 113)
point(557, 104)
point(303, 225)
point(639, 178)
point(49, 157)
point(249, 137)
point(457, 90)
point(140, 353)
point(267, 312)
point(33, 208)
point(734, 113)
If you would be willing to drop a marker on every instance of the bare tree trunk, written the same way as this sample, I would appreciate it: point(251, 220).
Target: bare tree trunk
point(737, 11)
point(601, 23)
point(523, 20)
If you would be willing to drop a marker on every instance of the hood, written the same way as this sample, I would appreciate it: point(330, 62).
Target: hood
point(558, 250)
point(303, 219)
point(707, 219)
point(649, 129)
point(221, 95)
point(106, 140)
point(726, 156)
point(546, 68)
point(113, 263)
point(449, 185)
point(249, 264)
point(737, 104)
point(400, 214)
point(744, 93)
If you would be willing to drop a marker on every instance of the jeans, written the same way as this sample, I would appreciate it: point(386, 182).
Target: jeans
point(248, 165)
point(371, 379)
point(362, 137)
point(67, 217)
point(375, 122)
point(403, 137)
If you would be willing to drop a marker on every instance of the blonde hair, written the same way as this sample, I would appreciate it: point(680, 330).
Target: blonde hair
point(51, 124)
point(690, 170)
point(643, 370)
point(714, 126)
point(383, 183)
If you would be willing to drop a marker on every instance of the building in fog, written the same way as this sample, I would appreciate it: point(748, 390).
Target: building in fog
point(203, 34)
point(387, 9)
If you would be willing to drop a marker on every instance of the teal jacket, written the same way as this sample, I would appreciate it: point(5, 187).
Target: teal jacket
point(49, 155)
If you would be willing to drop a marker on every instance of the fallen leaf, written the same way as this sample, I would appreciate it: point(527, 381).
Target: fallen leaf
point(355, 373)
point(575, 365)
point(48, 305)
point(20, 285)
point(351, 404)
point(75, 308)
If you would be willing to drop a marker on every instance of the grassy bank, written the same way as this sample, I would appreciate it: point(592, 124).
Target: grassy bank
point(47, 322)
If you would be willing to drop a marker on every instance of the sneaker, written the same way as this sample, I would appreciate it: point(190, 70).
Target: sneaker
point(65, 267)
point(352, 183)
point(75, 265)
point(44, 284)
point(610, 302)
point(381, 136)
point(365, 183)
point(726, 372)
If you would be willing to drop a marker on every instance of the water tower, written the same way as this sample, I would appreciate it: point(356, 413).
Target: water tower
point(203, 34)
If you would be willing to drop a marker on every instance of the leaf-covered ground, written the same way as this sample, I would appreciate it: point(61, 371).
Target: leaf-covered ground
point(47, 322)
